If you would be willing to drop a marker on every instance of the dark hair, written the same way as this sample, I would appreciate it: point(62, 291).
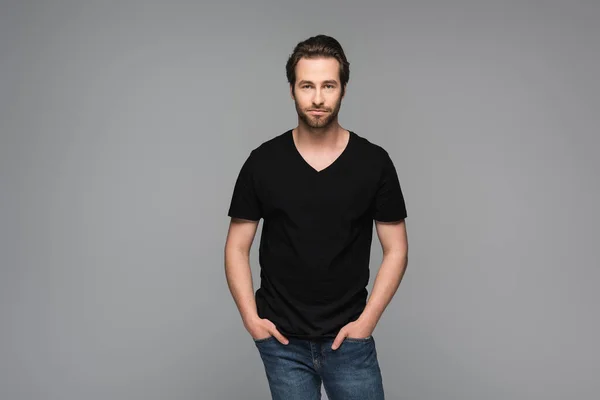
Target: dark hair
point(315, 47)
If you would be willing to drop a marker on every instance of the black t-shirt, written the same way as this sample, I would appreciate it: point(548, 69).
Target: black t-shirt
point(317, 230)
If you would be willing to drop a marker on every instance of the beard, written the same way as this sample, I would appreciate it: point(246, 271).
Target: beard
point(319, 121)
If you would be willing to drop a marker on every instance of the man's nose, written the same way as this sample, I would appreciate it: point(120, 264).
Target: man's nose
point(318, 99)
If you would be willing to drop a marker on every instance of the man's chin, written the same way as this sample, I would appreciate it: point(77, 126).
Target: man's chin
point(317, 124)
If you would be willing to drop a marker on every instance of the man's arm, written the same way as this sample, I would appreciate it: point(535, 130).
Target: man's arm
point(237, 266)
point(394, 243)
point(239, 278)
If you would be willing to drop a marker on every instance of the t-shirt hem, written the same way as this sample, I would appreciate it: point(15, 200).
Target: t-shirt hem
point(390, 219)
point(308, 337)
point(244, 216)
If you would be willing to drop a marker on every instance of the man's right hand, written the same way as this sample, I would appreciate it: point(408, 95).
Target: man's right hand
point(262, 328)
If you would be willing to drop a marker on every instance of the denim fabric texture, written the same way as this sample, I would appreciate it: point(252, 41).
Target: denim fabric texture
point(295, 371)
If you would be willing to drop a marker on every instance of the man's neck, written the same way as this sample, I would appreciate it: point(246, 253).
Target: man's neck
point(317, 138)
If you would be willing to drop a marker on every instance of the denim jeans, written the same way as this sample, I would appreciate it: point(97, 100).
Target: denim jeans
point(295, 371)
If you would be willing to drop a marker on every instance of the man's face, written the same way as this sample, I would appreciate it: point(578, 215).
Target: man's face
point(317, 92)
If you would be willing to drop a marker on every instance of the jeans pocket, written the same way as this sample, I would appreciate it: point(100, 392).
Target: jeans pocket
point(359, 340)
point(263, 340)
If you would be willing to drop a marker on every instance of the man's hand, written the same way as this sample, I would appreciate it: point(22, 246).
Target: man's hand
point(262, 328)
point(355, 329)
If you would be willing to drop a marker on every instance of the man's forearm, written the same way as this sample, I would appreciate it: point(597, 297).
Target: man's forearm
point(239, 280)
point(386, 283)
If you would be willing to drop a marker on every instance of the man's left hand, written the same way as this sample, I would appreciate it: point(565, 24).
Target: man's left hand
point(355, 329)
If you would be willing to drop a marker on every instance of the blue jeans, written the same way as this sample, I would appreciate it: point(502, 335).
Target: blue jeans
point(295, 371)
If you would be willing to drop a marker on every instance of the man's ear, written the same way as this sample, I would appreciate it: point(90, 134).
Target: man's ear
point(292, 91)
point(344, 90)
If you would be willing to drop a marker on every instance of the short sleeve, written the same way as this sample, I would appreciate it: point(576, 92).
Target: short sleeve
point(389, 200)
point(245, 203)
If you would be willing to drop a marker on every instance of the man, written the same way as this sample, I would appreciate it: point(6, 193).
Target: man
point(318, 188)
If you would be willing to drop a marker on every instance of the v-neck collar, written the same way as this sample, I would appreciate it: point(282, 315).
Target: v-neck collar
point(331, 165)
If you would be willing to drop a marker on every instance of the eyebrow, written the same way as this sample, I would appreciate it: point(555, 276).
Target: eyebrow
point(329, 82)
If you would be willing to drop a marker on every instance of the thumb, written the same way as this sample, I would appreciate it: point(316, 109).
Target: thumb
point(279, 336)
point(275, 333)
point(338, 340)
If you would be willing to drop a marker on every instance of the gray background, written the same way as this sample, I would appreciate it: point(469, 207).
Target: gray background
point(124, 125)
